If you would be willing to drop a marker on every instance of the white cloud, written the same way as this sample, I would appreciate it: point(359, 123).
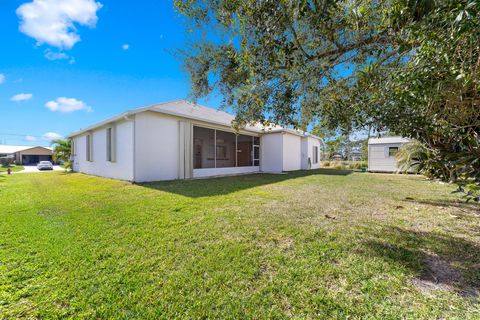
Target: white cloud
point(2, 78)
point(51, 55)
point(30, 138)
point(21, 97)
point(125, 46)
point(67, 105)
point(50, 136)
point(53, 21)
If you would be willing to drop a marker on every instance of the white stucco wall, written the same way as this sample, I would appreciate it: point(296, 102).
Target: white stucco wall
point(271, 152)
point(156, 147)
point(212, 172)
point(151, 147)
point(378, 158)
point(122, 168)
point(307, 152)
point(292, 152)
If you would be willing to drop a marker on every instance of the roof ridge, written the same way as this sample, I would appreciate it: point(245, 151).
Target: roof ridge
point(152, 105)
point(21, 145)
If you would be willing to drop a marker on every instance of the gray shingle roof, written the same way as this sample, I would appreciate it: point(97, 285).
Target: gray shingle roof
point(9, 149)
point(189, 110)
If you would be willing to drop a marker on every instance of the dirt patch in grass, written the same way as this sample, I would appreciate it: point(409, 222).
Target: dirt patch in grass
point(440, 275)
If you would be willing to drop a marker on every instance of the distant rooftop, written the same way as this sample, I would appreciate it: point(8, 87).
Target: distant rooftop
point(9, 149)
point(385, 140)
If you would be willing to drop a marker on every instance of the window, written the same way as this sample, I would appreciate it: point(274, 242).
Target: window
point(88, 145)
point(72, 150)
point(256, 151)
point(226, 144)
point(111, 145)
point(392, 151)
point(315, 155)
point(221, 152)
point(221, 149)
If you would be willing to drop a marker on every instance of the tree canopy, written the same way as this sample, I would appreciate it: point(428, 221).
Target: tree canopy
point(407, 66)
point(62, 151)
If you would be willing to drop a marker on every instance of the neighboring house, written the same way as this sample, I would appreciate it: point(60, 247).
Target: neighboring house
point(356, 155)
point(182, 140)
point(381, 153)
point(27, 155)
point(337, 157)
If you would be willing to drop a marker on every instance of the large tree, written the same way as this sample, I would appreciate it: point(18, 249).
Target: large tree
point(407, 66)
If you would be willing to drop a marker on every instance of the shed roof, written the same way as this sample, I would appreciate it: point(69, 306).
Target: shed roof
point(387, 140)
point(9, 149)
point(185, 109)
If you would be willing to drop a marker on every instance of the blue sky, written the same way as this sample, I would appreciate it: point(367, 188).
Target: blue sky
point(52, 83)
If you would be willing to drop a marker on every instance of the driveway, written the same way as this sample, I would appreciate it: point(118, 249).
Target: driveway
point(29, 169)
point(34, 169)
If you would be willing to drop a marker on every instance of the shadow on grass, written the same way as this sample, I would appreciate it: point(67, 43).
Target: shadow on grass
point(440, 262)
point(225, 185)
point(460, 204)
point(65, 172)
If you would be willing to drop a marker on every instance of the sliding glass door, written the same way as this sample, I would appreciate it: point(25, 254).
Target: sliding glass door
point(244, 151)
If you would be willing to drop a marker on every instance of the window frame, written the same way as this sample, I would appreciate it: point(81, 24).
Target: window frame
point(390, 155)
point(315, 154)
point(257, 146)
point(111, 144)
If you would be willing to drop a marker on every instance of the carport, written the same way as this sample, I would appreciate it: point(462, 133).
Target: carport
point(34, 159)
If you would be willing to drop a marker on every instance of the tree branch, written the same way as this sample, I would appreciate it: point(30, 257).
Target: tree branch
point(297, 43)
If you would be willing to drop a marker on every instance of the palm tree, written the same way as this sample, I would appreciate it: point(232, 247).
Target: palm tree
point(412, 156)
point(62, 151)
point(418, 158)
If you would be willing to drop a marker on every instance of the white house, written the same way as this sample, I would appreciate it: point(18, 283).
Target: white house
point(381, 153)
point(182, 140)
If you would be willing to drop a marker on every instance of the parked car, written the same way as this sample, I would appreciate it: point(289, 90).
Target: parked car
point(45, 165)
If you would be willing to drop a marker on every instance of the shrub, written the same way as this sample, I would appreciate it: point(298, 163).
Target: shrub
point(326, 163)
point(356, 165)
point(7, 161)
point(470, 190)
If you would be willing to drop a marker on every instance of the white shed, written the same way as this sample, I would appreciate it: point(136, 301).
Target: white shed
point(182, 140)
point(381, 153)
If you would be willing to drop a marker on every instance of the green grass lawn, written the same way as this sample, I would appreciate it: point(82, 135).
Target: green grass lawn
point(13, 168)
point(323, 244)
